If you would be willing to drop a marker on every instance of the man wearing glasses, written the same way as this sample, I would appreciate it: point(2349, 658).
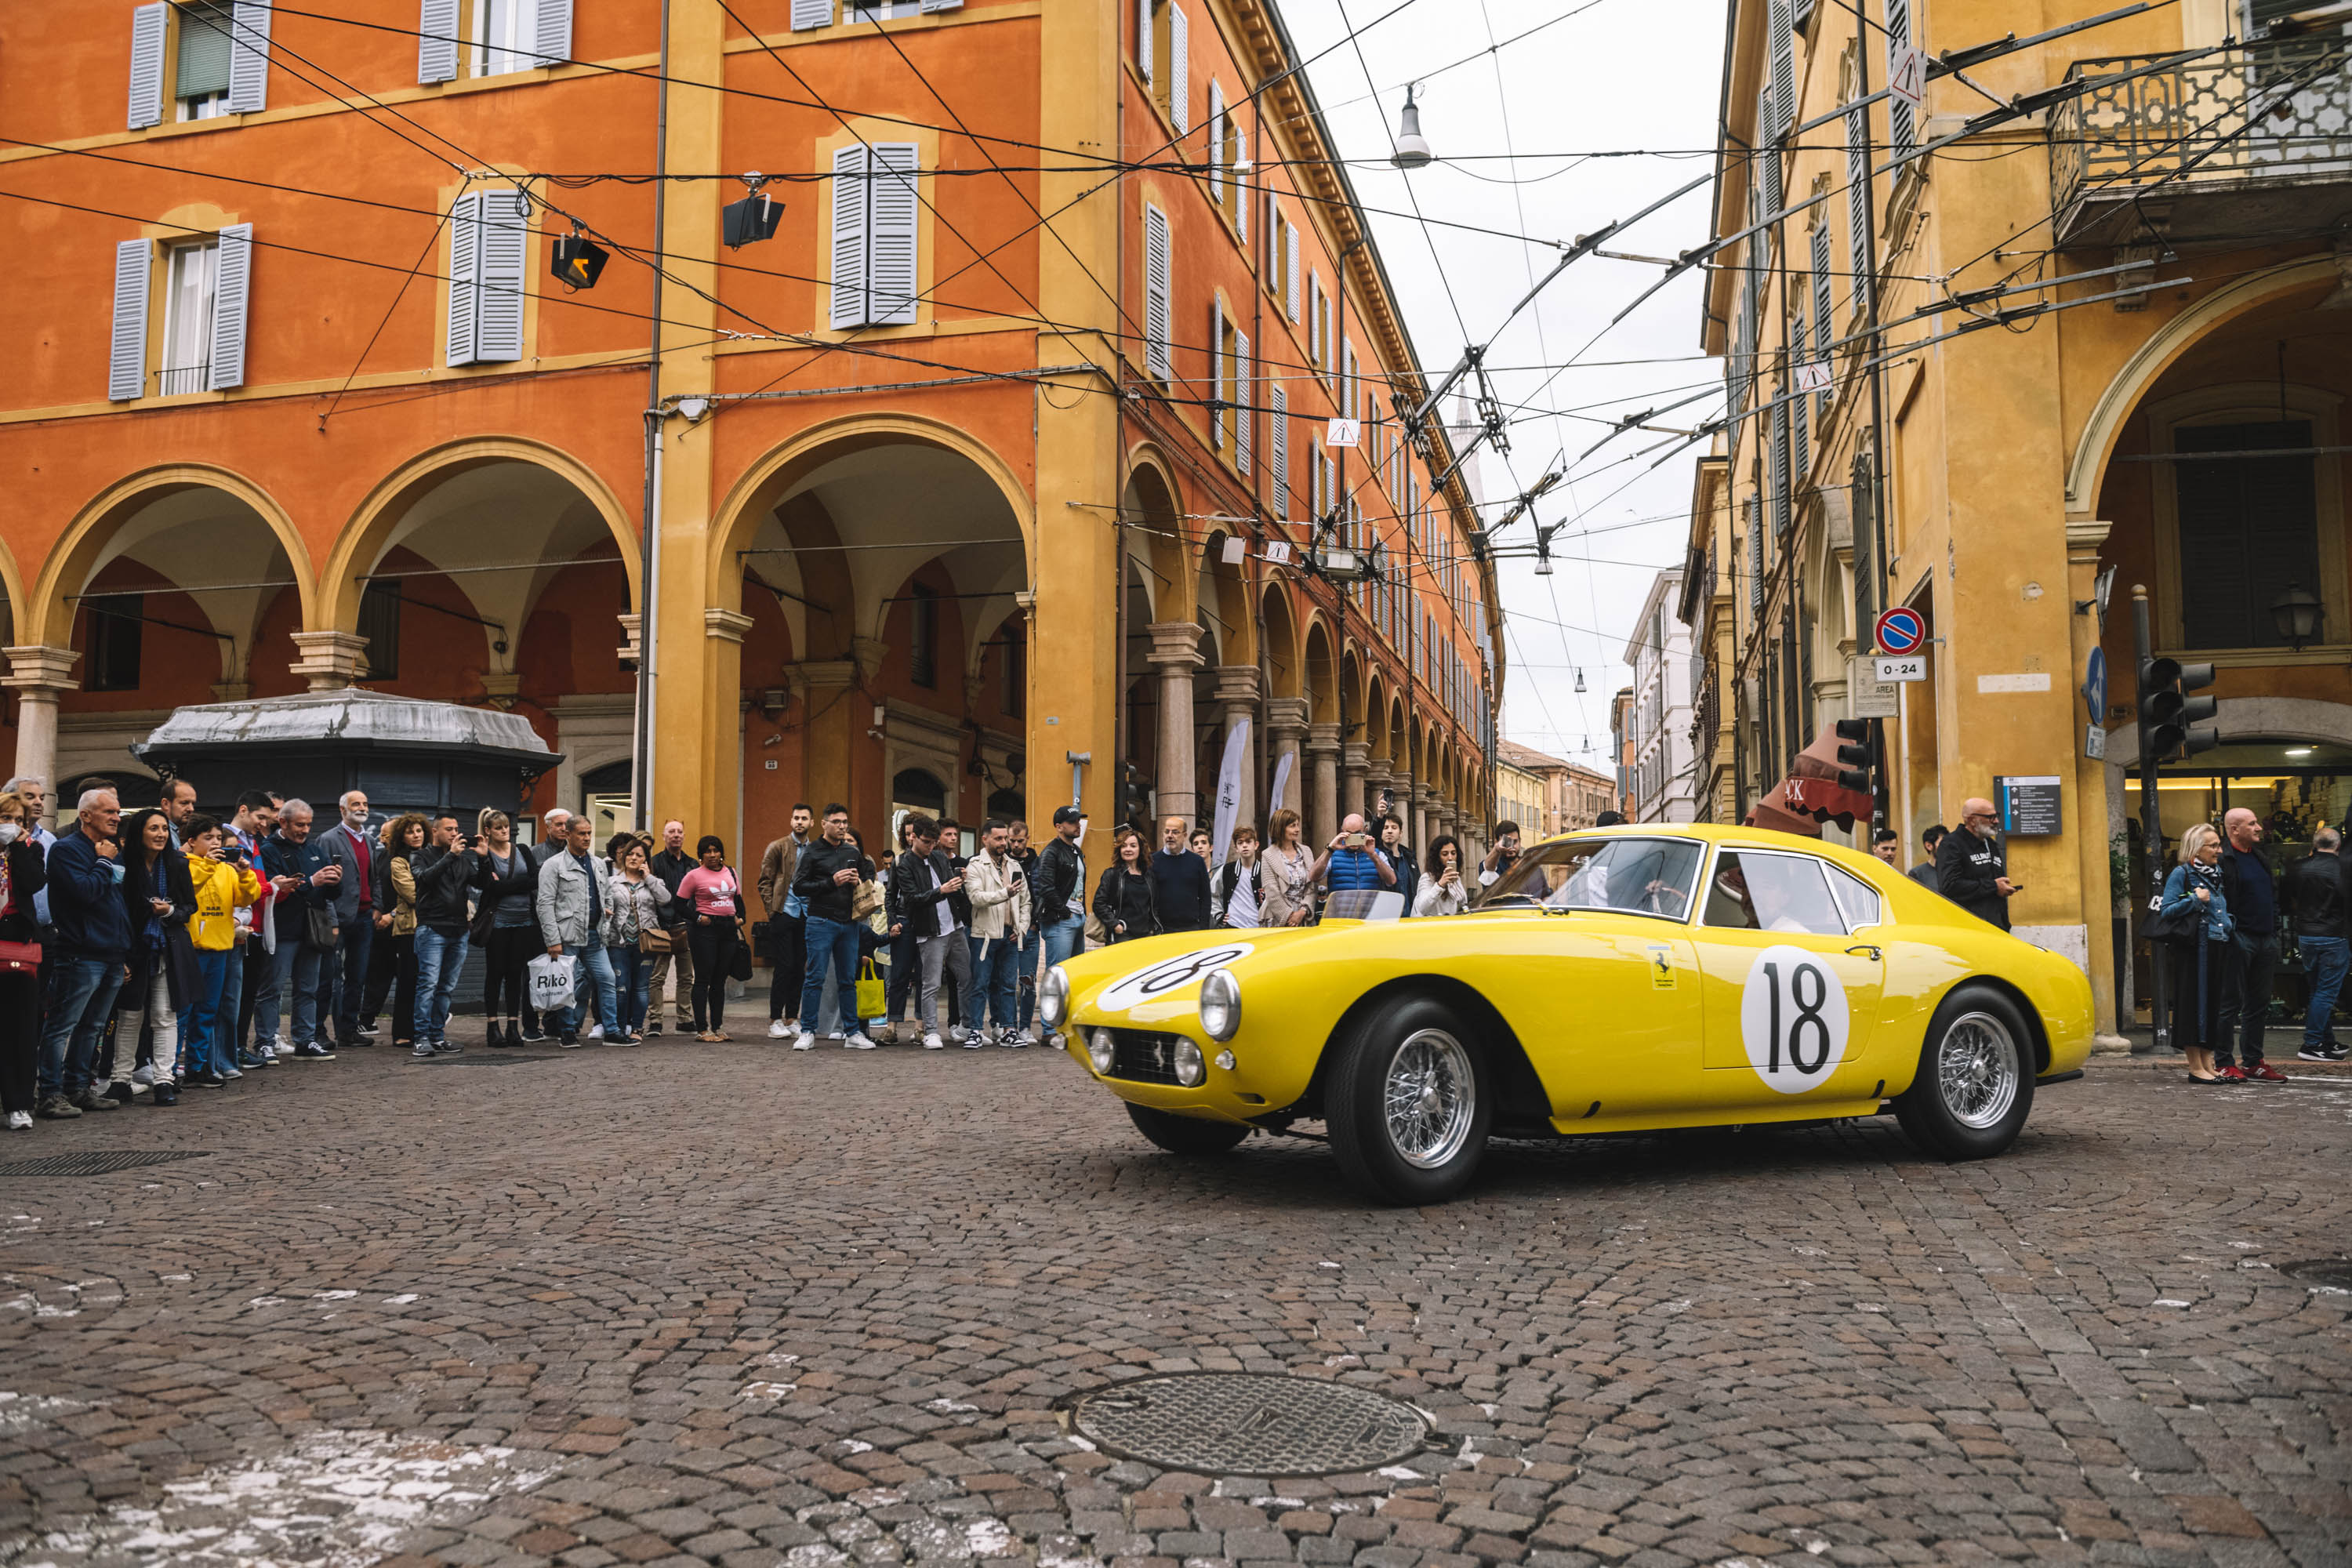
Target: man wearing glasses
point(1971, 868)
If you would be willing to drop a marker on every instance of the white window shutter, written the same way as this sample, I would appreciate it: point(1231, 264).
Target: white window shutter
point(149, 23)
point(1290, 268)
point(126, 368)
point(505, 240)
point(893, 226)
point(1780, 24)
point(1143, 37)
point(248, 58)
point(465, 276)
point(232, 281)
point(1902, 125)
point(1244, 396)
point(1217, 375)
point(1277, 442)
point(437, 41)
point(1216, 142)
point(553, 37)
point(807, 14)
point(849, 213)
point(1157, 283)
point(1180, 71)
point(1241, 181)
point(932, 6)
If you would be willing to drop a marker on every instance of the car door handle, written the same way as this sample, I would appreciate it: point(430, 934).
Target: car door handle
point(1866, 951)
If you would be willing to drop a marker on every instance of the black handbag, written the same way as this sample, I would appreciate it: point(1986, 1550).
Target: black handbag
point(739, 959)
point(2180, 925)
point(318, 929)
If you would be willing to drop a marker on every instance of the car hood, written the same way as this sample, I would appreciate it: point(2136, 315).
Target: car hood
point(1154, 979)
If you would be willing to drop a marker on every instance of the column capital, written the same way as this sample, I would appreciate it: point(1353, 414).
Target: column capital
point(503, 687)
point(330, 660)
point(1379, 770)
point(1323, 740)
point(38, 667)
point(1423, 796)
point(1175, 644)
point(1285, 713)
point(633, 637)
point(726, 624)
point(1356, 757)
point(2082, 542)
point(826, 674)
point(1237, 685)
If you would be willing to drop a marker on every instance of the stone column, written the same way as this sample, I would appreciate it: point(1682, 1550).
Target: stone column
point(1176, 654)
point(1424, 802)
point(1323, 752)
point(1285, 728)
point(1237, 699)
point(330, 660)
point(1355, 758)
point(39, 674)
point(1377, 777)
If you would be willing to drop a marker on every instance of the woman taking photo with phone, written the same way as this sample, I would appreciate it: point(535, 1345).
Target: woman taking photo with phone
point(1442, 892)
point(405, 837)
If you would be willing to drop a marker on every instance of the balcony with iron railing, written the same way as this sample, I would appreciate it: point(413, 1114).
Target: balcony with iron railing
point(2243, 145)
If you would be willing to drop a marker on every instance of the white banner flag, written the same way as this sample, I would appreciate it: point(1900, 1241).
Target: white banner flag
point(1229, 791)
point(1274, 801)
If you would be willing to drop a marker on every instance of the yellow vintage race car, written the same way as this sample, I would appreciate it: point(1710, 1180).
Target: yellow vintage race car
point(1621, 980)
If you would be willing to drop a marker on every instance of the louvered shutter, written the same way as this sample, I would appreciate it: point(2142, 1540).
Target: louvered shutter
point(932, 6)
point(553, 37)
point(1784, 71)
point(1241, 181)
point(248, 58)
point(1290, 268)
point(1143, 37)
point(502, 271)
point(1277, 442)
point(1180, 71)
point(1777, 461)
point(1755, 559)
point(807, 14)
point(232, 281)
point(1156, 285)
point(893, 224)
point(437, 41)
point(1902, 130)
point(126, 368)
point(1245, 401)
point(1768, 159)
point(849, 209)
point(1822, 333)
point(1217, 399)
point(1216, 142)
point(1865, 543)
point(1801, 432)
point(465, 276)
point(149, 24)
point(1857, 205)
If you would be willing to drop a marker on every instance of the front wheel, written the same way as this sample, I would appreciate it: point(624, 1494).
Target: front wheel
point(1975, 1084)
point(1409, 1103)
point(1185, 1134)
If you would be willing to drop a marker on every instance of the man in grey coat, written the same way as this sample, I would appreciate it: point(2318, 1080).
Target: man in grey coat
point(351, 845)
point(574, 891)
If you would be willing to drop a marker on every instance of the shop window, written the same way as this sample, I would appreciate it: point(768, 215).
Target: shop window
point(111, 641)
point(2249, 530)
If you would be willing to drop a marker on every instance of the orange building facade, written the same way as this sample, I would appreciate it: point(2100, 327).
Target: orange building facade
point(1008, 445)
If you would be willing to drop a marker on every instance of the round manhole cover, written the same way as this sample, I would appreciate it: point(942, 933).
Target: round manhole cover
point(1246, 1424)
point(2333, 1272)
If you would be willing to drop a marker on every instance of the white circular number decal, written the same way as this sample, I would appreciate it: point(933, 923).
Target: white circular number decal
point(1792, 1018)
point(1167, 975)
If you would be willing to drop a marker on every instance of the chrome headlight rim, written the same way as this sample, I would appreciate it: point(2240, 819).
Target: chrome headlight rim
point(1221, 1005)
point(1054, 998)
point(1191, 1064)
point(1102, 1054)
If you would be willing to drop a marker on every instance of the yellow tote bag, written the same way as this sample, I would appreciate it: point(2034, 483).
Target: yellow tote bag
point(871, 1001)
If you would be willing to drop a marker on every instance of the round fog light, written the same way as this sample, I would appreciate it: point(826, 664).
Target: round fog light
point(1098, 1050)
point(1224, 1061)
point(1190, 1070)
point(1054, 998)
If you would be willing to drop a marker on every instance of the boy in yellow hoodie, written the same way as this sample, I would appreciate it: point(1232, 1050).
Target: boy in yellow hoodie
point(223, 886)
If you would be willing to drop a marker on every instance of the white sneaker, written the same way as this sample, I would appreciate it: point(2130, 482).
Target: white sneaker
point(265, 1050)
point(856, 1041)
point(805, 1042)
point(20, 1121)
point(959, 1034)
point(932, 1043)
point(1017, 1041)
point(144, 1078)
point(778, 1029)
point(595, 1032)
point(972, 1042)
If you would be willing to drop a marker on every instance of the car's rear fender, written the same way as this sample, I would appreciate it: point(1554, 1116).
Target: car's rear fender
point(1521, 1104)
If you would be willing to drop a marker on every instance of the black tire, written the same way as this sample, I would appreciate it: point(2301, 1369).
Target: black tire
point(1976, 1109)
point(1185, 1134)
point(1365, 1140)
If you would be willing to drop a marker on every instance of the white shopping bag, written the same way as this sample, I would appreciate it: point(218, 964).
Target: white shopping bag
point(553, 978)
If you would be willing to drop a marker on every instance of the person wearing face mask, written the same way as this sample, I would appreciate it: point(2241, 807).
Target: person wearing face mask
point(22, 876)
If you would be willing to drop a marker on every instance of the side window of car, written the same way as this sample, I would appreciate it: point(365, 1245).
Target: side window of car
point(1753, 892)
point(1856, 899)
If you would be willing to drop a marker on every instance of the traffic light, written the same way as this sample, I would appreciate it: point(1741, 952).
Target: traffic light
point(1856, 756)
point(1134, 793)
point(2167, 710)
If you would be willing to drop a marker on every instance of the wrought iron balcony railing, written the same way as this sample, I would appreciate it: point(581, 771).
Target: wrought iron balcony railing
point(2225, 147)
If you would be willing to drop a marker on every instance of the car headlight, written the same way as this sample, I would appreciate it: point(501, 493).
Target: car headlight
point(1054, 998)
point(1190, 1070)
point(1221, 1004)
point(1099, 1052)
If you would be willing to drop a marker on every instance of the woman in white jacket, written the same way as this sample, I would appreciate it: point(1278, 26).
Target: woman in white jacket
point(1442, 892)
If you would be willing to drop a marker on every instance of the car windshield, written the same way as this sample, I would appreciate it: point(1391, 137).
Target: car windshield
point(1636, 876)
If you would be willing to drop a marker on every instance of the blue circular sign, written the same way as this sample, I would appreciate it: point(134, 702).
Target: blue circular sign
point(1901, 630)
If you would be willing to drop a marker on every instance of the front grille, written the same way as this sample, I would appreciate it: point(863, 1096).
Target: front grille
point(1141, 1057)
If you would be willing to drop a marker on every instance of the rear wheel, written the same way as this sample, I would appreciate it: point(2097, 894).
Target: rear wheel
point(1185, 1134)
point(1975, 1084)
point(1408, 1102)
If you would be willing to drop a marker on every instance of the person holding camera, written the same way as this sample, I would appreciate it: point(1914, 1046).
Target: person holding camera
point(1349, 863)
point(1505, 852)
point(1442, 892)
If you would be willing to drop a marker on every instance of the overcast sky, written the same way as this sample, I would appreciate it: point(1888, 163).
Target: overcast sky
point(1607, 78)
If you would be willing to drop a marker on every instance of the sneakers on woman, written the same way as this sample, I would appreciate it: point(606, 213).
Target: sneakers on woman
point(932, 1043)
point(856, 1041)
point(779, 1028)
point(422, 1051)
point(807, 1042)
point(20, 1121)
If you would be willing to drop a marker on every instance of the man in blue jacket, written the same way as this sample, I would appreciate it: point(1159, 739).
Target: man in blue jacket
point(291, 852)
point(93, 939)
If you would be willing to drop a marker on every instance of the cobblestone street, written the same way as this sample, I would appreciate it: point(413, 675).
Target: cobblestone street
point(722, 1303)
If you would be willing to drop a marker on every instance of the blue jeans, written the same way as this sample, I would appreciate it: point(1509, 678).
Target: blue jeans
point(832, 946)
point(349, 978)
point(81, 995)
point(204, 1042)
point(590, 964)
point(295, 966)
point(995, 980)
point(439, 956)
point(1029, 949)
point(2325, 960)
point(1062, 939)
point(628, 985)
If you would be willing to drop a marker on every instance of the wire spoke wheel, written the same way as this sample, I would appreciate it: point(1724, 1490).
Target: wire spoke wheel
point(1976, 1069)
point(1430, 1099)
